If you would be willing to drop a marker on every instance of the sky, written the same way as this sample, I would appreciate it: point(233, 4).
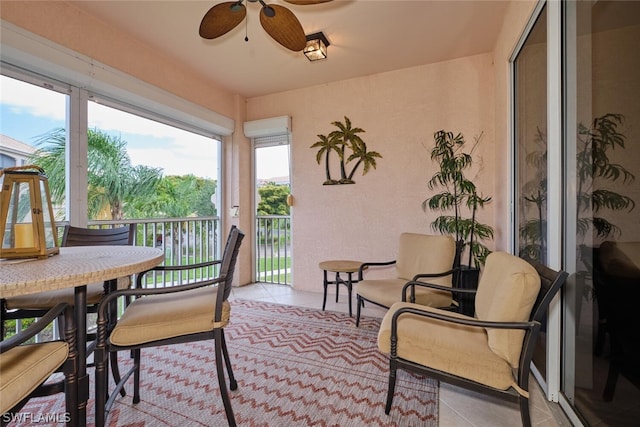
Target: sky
point(28, 111)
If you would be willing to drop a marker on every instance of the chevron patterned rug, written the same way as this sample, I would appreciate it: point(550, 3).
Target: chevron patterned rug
point(294, 366)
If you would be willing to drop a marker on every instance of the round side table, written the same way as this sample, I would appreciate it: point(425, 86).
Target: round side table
point(340, 266)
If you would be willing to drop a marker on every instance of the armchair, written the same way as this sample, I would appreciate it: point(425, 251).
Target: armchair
point(193, 311)
point(490, 353)
point(25, 367)
point(36, 305)
point(420, 256)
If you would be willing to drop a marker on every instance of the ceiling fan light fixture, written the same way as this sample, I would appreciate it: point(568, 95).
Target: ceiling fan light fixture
point(316, 47)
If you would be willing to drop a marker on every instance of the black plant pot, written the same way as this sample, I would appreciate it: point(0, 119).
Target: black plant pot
point(466, 278)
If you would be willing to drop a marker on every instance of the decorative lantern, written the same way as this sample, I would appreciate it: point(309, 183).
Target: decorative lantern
point(26, 215)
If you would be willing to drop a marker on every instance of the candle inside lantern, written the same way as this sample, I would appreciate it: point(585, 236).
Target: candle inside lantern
point(24, 235)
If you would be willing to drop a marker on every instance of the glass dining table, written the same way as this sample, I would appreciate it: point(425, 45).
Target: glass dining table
point(75, 267)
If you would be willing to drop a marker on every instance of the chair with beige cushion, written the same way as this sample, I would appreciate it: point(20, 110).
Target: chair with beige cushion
point(35, 305)
point(24, 366)
point(489, 353)
point(193, 311)
point(420, 257)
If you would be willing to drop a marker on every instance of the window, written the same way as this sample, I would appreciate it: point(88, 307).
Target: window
point(118, 162)
point(30, 110)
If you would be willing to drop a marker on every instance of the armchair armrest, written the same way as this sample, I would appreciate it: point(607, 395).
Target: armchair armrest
point(531, 328)
point(468, 321)
point(104, 303)
point(194, 266)
point(366, 265)
point(33, 329)
point(423, 275)
point(412, 284)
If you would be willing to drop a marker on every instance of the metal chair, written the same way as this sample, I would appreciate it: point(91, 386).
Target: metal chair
point(490, 353)
point(196, 311)
point(420, 256)
point(25, 367)
point(36, 305)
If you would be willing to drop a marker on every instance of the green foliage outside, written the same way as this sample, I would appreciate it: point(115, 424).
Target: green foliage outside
point(273, 199)
point(119, 190)
point(124, 191)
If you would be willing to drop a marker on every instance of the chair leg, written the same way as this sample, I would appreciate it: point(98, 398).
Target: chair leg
point(233, 384)
point(349, 291)
point(100, 361)
point(360, 303)
point(115, 371)
point(221, 382)
point(392, 386)
point(524, 412)
point(325, 284)
point(136, 376)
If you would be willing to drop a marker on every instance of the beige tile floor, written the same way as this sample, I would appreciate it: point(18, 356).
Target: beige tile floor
point(458, 407)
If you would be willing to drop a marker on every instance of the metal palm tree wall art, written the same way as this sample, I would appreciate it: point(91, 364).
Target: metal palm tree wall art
point(341, 141)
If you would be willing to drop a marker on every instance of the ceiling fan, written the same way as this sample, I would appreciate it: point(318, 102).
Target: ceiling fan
point(278, 21)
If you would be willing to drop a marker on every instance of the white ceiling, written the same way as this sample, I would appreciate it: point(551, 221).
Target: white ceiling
point(367, 37)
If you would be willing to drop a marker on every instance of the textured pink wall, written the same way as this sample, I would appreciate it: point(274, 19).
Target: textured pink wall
point(399, 111)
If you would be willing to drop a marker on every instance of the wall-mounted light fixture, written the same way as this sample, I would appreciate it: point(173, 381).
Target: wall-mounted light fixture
point(316, 47)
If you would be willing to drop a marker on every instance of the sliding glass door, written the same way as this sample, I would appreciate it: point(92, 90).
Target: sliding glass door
point(601, 341)
point(530, 126)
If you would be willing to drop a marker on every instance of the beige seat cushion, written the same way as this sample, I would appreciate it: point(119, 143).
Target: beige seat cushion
point(457, 349)
point(25, 367)
point(507, 291)
point(417, 254)
point(45, 300)
point(157, 317)
point(389, 291)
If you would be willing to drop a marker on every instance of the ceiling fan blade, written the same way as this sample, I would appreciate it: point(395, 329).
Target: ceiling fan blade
point(283, 26)
point(221, 19)
point(306, 2)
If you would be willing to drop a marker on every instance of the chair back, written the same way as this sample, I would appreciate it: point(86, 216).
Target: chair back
point(423, 253)
point(228, 264)
point(513, 289)
point(507, 292)
point(118, 236)
point(550, 283)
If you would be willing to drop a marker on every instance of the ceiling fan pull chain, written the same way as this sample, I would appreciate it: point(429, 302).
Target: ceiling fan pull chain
point(246, 31)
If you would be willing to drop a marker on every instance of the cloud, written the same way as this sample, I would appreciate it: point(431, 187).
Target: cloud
point(25, 98)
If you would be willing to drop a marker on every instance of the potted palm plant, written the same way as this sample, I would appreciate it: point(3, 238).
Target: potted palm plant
point(458, 203)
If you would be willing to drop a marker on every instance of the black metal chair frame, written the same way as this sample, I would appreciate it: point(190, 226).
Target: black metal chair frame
point(104, 346)
point(78, 236)
point(412, 297)
point(551, 282)
point(75, 236)
point(454, 272)
point(68, 368)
